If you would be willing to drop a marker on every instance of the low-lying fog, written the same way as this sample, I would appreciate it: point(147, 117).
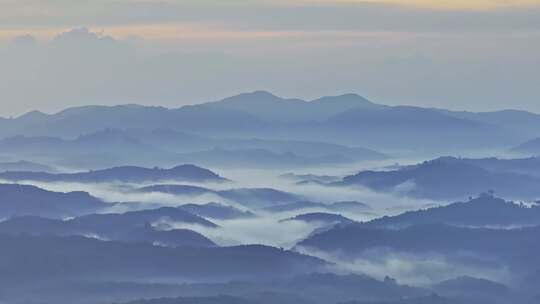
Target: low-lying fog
point(268, 228)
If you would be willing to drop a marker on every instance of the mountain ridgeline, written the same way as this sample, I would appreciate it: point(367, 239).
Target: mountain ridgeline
point(347, 120)
point(261, 199)
point(21, 200)
point(127, 174)
point(449, 178)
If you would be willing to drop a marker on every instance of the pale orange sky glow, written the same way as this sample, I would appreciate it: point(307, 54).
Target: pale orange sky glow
point(447, 53)
point(439, 4)
point(250, 19)
point(190, 32)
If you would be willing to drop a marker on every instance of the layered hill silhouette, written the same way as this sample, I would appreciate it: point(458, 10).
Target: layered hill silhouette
point(25, 166)
point(254, 198)
point(135, 226)
point(347, 206)
point(468, 287)
point(505, 247)
point(261, 158)
point(531, 147)
point(315, 288)
point(254, 110)
point(108, 146)
point(217, 211)
point(108, 221)
point(483, 231)
point(346, 119)
point(143, 233)
point(455, 178)
point(69, 248)
point(259, 197)
point(310, 178)
point(103, 140)
point(33, 259)
point(268, 107)
point(320, 217)
point(483, 211)
point(80, 120)
point(125, 174)
point(21, 200)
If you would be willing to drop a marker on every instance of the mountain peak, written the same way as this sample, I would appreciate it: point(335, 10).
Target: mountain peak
point(351, 95)
point(262, 93)
point(253, 97)
point(351, 99)
point(33, 113)
point(33, 116)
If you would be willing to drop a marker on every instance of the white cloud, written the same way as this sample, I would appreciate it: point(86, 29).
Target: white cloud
point(414, 269)
point(486, 63)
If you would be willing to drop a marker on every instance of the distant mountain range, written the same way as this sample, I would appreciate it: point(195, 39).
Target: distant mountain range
point(259, 197)
point(110, 221)
point(268, 107)
point(336, 289)
point(484, 231)
point(511, 247)
point(483, 211)
point(126, 174)
point(217, 211)
point(314, 288)
point(25, 166)
point(108, 147)
point(36, 259)
point(468, 247)
point(466, 286)
point(320, 217)
point(21, 200)
point(450, 178)
point(253, 110)
point(529, 148)
point(135, 226)
point(347, 119)
point(310, 178)
point(253, 198)
point(350, 206)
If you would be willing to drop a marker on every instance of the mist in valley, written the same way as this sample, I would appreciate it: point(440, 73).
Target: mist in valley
point(269, 152)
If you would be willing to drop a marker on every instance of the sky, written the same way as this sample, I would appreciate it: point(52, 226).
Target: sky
point(475, 55)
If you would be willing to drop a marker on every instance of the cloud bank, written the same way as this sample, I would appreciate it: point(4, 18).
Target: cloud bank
point(170, 53)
